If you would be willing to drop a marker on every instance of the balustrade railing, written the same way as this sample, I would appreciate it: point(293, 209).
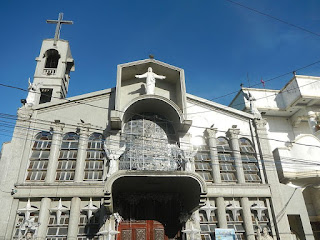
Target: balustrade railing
point(49, 71)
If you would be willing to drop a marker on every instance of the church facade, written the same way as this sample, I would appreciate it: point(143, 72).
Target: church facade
point(143, 160)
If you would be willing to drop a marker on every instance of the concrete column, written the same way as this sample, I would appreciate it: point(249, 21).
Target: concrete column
point(233, 134)
point(278, 204)
point(43, 218)
point(214, 154)
point(54, 151)
point(221, 210)
point(247, 220)
point(82, 151)
point(74, 218)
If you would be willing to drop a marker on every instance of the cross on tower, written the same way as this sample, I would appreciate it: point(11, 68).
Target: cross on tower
point(58, 27)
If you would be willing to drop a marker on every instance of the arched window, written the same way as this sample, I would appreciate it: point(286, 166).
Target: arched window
point(249, 161)
point(68, 157)
point(151, 144)
point(52, 60)
point(39, 159)
point(202, 159)
point(95, 158)
point(226, 161)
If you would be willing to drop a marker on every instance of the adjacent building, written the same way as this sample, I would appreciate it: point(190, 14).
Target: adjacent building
point(292, 115)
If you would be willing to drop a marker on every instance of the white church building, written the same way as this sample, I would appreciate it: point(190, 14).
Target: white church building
point(146, 160)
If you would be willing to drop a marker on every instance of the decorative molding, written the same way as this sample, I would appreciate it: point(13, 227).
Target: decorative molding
point(233, 133)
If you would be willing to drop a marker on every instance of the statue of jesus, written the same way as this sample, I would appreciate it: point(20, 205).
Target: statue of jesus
point(151, 80)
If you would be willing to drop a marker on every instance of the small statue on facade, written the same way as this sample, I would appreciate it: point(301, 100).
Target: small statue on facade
point(253, 107)
point(32, 91)
point(113, 155)
point(151, 80)
point(265, 234)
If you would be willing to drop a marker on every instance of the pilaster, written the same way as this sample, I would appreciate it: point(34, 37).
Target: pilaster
point(54, 151)
point(43, 218)
point(214, 154)
point(247, 220)
point(221, 210)
point(233, 134)
point(277, 204)
point(82, 151)
point(74, 218)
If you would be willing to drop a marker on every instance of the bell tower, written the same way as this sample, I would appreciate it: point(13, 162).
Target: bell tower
point(54, 64)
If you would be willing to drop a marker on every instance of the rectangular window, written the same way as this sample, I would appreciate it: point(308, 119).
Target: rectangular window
point(202, 161)
point(46, 94)
point(88, 228)
point(58, 230)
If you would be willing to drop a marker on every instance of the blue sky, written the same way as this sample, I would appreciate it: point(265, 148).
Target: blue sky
point(217, 43)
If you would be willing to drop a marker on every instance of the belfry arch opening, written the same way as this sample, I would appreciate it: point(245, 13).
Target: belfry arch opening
point(52, 58)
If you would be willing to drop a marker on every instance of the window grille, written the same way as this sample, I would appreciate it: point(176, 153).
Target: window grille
point(39, 159)
point(226, 161)
point(235, 221)
point(151, 144)
point(95, 158)
point(249, 161)
point(21, 228)
point(256, 205)
point(68, 157)
point(208, 226)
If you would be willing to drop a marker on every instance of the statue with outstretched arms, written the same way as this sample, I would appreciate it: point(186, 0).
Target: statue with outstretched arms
point(151, 80)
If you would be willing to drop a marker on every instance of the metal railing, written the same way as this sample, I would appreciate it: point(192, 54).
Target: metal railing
point(139, 158)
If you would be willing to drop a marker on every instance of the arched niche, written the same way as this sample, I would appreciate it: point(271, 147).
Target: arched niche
point(156, 105)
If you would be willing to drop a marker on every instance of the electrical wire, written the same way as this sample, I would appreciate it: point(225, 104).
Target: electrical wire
point(274, 18)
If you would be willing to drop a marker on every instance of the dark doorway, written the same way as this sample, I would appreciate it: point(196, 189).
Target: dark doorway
point(296, 226)
point(141, 230)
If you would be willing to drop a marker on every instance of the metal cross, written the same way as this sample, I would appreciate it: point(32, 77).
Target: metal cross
point(58, 27)
point(234, 209)
point(27, 210)
point(208, 208)
point(192, 232)
point(59, 210)
point(259, 208)
point(108, 233)
point(90, 209)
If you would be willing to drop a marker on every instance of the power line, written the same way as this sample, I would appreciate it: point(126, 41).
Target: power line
point(116, 143)
point(49, 123)
point(106, 108)
point(274, 18)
